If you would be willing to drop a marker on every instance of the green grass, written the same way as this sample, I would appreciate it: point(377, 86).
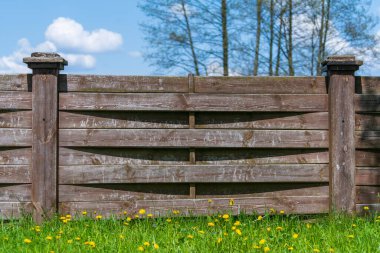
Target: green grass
point(277, 232)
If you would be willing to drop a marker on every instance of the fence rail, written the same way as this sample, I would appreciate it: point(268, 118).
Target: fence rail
point(111, 144)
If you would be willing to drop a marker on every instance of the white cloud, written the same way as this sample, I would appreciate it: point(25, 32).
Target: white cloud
point(85, 61)
point(68, 34)
point(135, 54)
point(215, 69)
point(177, 9)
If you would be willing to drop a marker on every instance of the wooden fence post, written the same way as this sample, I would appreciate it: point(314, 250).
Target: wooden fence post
point(45, 68)
point(341, 89)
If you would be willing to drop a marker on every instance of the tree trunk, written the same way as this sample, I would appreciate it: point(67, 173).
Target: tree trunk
point(320, 36)
point(279, 40)
point(258, 34)
point(290, 39)
point(225, 38)
point(327, 20)
point(271, 37)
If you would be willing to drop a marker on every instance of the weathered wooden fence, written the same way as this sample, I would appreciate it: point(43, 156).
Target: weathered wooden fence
point(196, 144)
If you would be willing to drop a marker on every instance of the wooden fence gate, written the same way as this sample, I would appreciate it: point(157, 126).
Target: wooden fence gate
point(199, 145)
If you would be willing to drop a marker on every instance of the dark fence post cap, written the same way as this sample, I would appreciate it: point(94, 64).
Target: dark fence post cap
point(45, 61)
point(341, 62)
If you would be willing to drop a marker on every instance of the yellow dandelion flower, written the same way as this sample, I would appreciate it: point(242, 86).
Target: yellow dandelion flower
point(91, 243)
point(62, 218)
point(237, 223)
point(146, 244)
point(68, 216)
point(201, 232)
point(176, 212)
point(84, 213)
point(238, 231)
point(190, 236)
point(290, 248)
point(149, 215)
point(262, 241)
point(219, 240)
point(125, 212)
point(155, 246)
point(260, 217)
point(77, 238)
point(256, 246)
point(331, 250)
point(51, 251)
point(137, 216)
point(49, 237)
point(209, 201)
point(142, 211)
point(64, 221)
point(60, 232)
point(129, 218)
point(169, 220)
point(57, 237)
point(27, 241)
point(225, 234)
point(295, 236)
point(121, 236)
point(316, 250)
point(282, 212)
point(126, 223)
point(232, 202)
point(94, 212)
point(365, 208)
point(211, 224)
point(354, 225)
point(268, 229)
point(350, 236)
point(98, 217)
point(233, 227)
point(140, 248)
point(266, 249)
point(271, 210)
point(69, 241)
point(279, 228)
point(308, 225)
point(225, 216)
point(38, 229)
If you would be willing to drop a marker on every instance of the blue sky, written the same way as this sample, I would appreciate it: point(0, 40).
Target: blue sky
point(113, 25)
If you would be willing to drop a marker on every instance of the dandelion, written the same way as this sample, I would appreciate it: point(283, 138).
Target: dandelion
point(125, 212)
point(211, 224)
point(27, 241)
point(256, 247)
point(77, 238)
point(140, 248)
point(331, 250)
point(175, 211)
point(84, 213)
point(225, 216)
point(169, 220)
point(238, 231)
point(69, 241)
point(262, 241)
point(308, 225)
point(272, 211)
point(65, 221)
point(126, 223)
point(60, 232)
point(354, 225)
point(129, 218)
point(268, 229)
point(201, 232)
point(365, 208)
point(295, 236)
point(233, 228)
point(209, 201)
point(219, 240)
point(316, 250)
point(68, 216)
point(190, 236)
point(146, 244)
point(350, 236)
point(266, 249)
point(237, 223)
point(155, 246)
point(49, 238)
point(282, 212)
point(121, 236)
point(98, 217)
point(90, 243)
point(57, 237)
point(142, 211)
point(290, 248)
point(232, 202)
point(149, 215)
point(260, 217)
point(225, 234)
point(279, 228)
point(62, 218)
point(137, 216)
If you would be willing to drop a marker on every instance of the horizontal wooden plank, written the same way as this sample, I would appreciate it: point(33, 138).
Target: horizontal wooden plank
point(367, 139)
point(12, 210)
point(193, 138)
point(15, 119)
point(261, 85)
point(191, 102)
point(15, 156)
point(367, 158)
point(15, 100)
point(260, 156)
point(93, 174)
point(119, 156)
point(122, 192)
point(96, 83)
point(15, 82)
point(267, 120)
point(373, 208)
point(15, 174)
point(367, 103)
point(260, 205)
point(367, 194)
point(15, 137)
point(103, 120)
point(367, 85)
point(367, 121)
point(367, 176)
point(15, 193)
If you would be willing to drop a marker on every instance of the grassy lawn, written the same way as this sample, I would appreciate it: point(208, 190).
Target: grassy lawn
point(223, 233)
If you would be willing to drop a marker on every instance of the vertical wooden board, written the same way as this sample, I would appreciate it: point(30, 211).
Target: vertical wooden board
point(367, 158)
point(15, 193)
point(15, 156)
point(122, 192)
point(15, 82)
point(121, 156)
point(261, 156)
point(15, 119)
point(113, 119)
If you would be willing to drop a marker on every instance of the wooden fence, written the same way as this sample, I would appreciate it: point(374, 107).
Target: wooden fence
point(195, 144)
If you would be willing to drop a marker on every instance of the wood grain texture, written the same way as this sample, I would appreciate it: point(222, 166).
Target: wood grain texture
point(15, 156)
point(15, 174)
point(12, 210)
point(373, 208)
point(367, 194)
point(267, 120)
point(14, 82)
point(367, 158)
point(119, 156)
point(191, 102)
point(15, 137)
point(193, 138)
point(259, 205)
point(367, 85)
point(15, 193)
point(10, 100)
point(15, 119)
point(367, 121)
point(104, 120)
point(122, 192)
point(367, 139)
point(367, 103)
point(368, 176)
point(96, 83)
point(93, 174)
point(261, 85)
